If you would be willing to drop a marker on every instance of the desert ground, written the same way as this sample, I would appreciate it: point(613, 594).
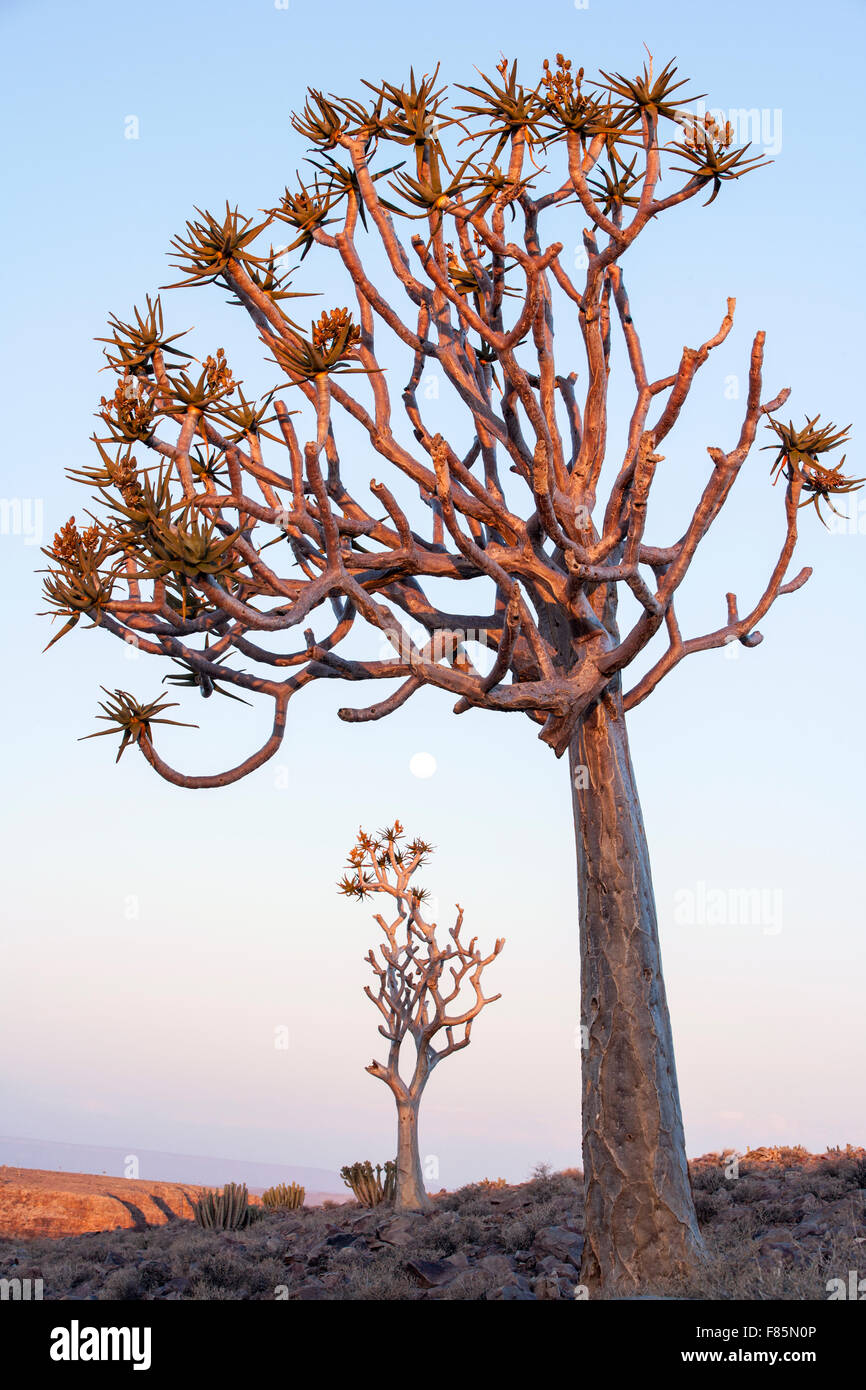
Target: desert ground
point(786, 1225)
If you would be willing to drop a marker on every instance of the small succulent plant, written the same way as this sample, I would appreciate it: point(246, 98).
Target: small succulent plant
point(284, 1196)
point(228, 1210)
point(368, 1184)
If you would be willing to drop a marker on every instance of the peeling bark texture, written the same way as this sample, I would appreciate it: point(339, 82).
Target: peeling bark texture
point(640, 1217)
point(411, 1193)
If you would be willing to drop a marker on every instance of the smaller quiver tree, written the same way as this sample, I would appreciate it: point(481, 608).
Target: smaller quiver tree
point(425, 989)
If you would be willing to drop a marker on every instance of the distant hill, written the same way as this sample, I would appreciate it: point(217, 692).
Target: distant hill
point(156, 1166)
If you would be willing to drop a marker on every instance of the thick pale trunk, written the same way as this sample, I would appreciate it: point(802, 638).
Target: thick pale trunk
point(411, 1194)
point(640, 1218)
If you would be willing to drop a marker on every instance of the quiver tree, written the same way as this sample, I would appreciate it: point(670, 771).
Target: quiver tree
point(426, 989)
point(235, 538)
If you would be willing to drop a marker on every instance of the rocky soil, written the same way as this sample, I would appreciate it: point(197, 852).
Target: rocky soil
point(780, 1226)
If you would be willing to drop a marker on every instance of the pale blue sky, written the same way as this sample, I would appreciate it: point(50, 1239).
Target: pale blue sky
point(155, 1030)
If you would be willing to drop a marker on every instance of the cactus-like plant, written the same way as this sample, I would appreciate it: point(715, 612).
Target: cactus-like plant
point(368, 1185)
point(389, 1187)
point(288, 1196)
point(228, 1210)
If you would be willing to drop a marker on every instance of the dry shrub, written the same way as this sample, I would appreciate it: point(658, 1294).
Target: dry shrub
point(707, 1178)
point(122, 1284)
point(379, 1281)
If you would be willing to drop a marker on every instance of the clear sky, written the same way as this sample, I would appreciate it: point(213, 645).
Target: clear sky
point(154, 939)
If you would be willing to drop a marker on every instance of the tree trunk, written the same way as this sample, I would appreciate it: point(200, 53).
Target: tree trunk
point(411, 1194)
point(640, 1217)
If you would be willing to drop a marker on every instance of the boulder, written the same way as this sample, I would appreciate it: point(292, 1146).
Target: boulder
point(400, 1230)
point(515, 1293)
point(498, 1265)
point(431, 1274)
point(560, 1242)
point(340, 1240)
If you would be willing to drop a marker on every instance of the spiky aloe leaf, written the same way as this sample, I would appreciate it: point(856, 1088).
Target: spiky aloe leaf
point(204, 254)
point(132, 719)
point(798, 454)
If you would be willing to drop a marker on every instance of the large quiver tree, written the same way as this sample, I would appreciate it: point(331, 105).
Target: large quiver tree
point(250, 565)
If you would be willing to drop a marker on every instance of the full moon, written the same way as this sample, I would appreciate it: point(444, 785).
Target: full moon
point(422, 765)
